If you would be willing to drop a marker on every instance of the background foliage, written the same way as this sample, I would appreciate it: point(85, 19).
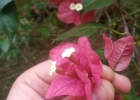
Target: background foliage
point(30, 28)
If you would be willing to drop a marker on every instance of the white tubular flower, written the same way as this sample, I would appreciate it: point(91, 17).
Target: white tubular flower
point(72, 6)
point(53, 68)
point(68, 52)
point(79, 7)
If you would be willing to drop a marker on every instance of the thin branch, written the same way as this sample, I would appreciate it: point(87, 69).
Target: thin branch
point(136, 66)
point(121, 94)
point(130, 22)
point(126, 31)
point(109, 21)
point(134, 12)
point(10, 77)
point(135, 80)
point(137, 56)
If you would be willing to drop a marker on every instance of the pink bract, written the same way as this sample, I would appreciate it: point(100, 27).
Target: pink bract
point(87, 17)
point(71, 16)
point(79, 73)
point(119, 53)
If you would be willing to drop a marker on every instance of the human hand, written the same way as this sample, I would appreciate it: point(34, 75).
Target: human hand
point(34, 83)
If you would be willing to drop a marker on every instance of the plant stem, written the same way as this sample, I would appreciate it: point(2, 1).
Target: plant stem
point(136, 26)
point(23, 55)
point(115, 31)
point(137, 56)
point(133, 12)
point(136, 66)
point(132, 21)
point(121, 94)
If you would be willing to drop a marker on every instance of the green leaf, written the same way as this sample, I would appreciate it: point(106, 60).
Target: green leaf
point(3, 3)
point(95, 4)
point(82, 30)
point(9, 20)
point(100, 53)
point(4, 44)
point(45, 32)
point(14, 39)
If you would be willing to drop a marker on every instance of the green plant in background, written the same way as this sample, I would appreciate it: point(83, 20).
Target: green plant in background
point(8, 26)
point(8, 23)
point(36, 29)
point(15, 30)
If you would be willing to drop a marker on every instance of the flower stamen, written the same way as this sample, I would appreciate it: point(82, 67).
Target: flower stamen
point(53, 68)
point(72, 6)
point(79, 7)
point(68, 52)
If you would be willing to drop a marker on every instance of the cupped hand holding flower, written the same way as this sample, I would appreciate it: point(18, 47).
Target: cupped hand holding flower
point(80, 75)
point(34, 83)
point(79, 67)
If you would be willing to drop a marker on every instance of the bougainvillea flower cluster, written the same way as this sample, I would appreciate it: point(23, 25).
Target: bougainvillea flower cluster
point(79, 69)
point(119, 53)
point(69, 11)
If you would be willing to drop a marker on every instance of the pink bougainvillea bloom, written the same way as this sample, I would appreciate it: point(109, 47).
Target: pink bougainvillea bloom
point(69, 11)
point(119, 53)
point(79, 67)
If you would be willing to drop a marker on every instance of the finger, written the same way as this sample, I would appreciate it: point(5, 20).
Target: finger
point(43, 70)
point(35, 81)
point(107, 73)
point(121, 83)
point(38, 77)
point(25, 88)
point(104, 91)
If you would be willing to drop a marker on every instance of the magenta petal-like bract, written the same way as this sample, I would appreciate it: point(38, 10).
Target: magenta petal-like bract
point(66, 15)
point(77, 18)
point(93, 58)
point(87, 17)
point(76, 98)
point(83, 66)
point(119, 53)
point(65, 63)
point(87, 82)
point(64, 85)
point(108, 46)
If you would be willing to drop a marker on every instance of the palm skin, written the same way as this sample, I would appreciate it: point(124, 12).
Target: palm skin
point(34, 83)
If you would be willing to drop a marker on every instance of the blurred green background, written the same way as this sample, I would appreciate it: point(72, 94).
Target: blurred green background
point(38, 29)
